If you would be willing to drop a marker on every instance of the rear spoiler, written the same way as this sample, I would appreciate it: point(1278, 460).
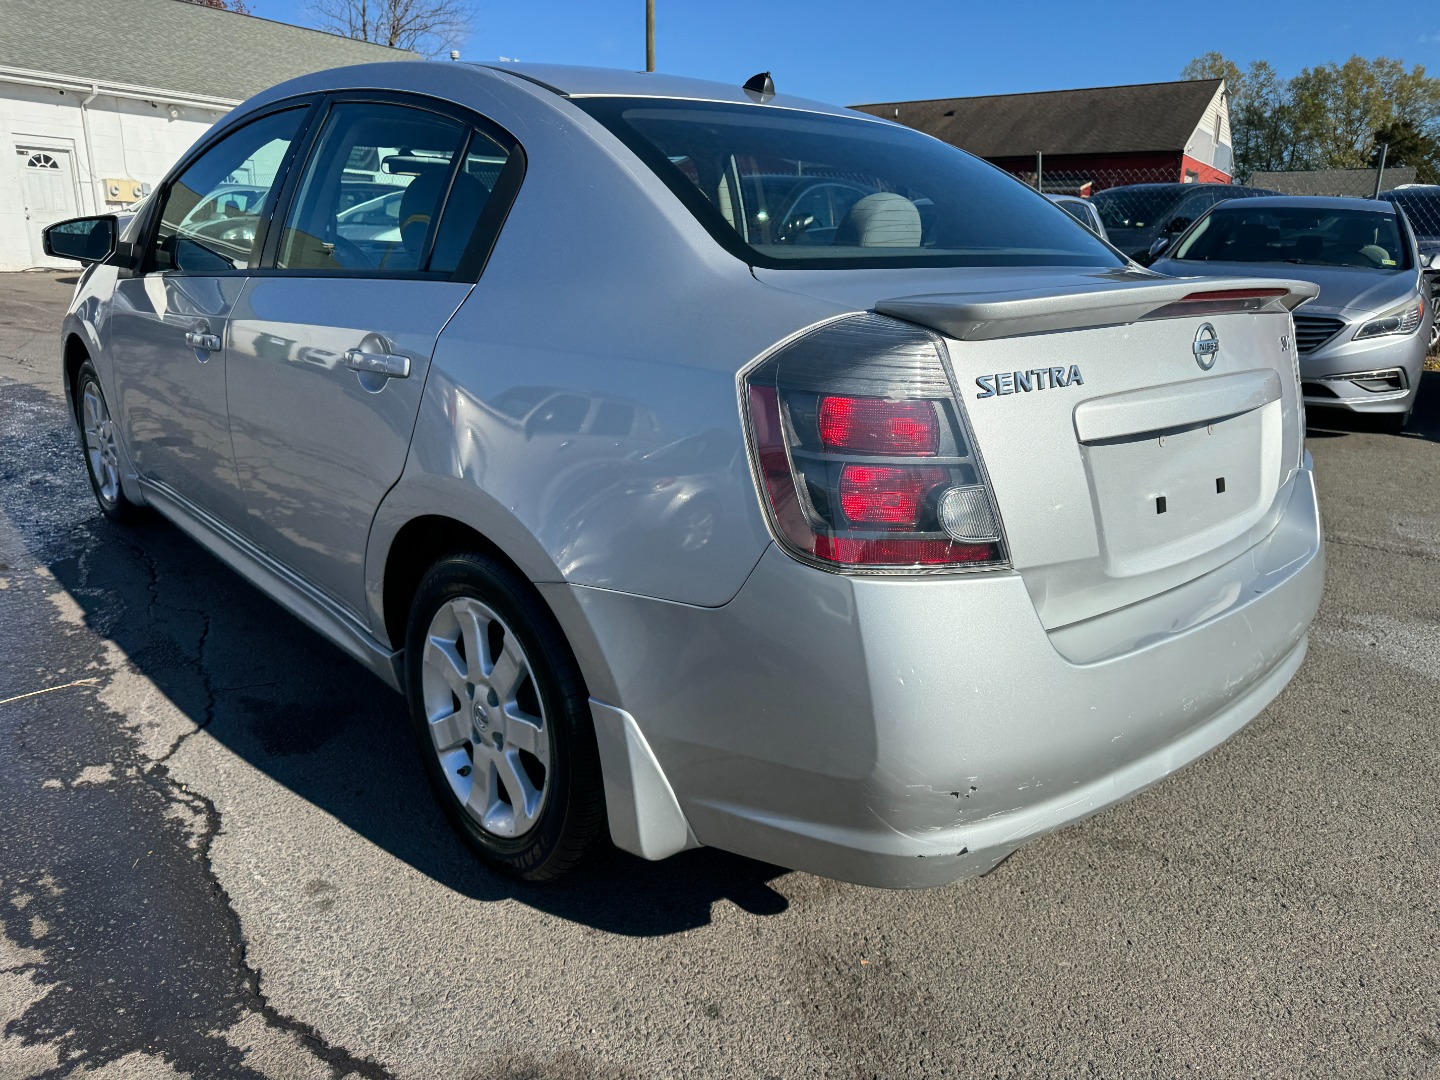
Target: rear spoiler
point(973, 316)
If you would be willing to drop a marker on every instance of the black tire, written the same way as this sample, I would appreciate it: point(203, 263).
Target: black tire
point(118, 508)
point(572, 814)
point(1393, 423)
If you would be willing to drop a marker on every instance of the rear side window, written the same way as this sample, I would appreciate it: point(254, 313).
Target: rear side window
point(389, 188)
point(478, 175)
point(784, 188)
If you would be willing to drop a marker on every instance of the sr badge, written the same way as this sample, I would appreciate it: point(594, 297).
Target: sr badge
point(1023, 382)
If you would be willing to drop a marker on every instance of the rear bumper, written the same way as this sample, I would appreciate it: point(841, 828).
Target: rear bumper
point(906, 732)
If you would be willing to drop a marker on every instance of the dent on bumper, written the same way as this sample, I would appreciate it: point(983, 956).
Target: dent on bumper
point(904, 732)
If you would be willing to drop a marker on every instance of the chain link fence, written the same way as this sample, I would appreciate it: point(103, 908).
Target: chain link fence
point(1136, 216)
point(1397, 184)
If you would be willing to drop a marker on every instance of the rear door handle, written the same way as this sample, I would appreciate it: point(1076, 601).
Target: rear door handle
point(199, 340)
point(390, 365)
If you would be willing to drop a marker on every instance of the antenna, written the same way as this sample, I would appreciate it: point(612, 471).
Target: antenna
point(760, 87)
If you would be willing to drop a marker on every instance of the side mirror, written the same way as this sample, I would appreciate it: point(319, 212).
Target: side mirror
point(1429, 262)
point(1158, 247)
point(86, 240)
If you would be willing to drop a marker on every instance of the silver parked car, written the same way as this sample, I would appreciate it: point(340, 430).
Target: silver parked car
point(1362, 341)
point(870, 524)
point(1083, 211)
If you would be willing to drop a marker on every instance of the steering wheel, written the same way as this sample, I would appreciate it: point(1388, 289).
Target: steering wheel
point(351, 255)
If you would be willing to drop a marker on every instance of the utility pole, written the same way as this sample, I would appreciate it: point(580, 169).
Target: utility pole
point(1380, 172)
point(649, 35)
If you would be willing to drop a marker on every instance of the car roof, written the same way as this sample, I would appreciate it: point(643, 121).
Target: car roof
point(574, 81)
point(1323, 202)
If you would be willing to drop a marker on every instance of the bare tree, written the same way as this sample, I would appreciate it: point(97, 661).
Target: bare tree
point(237, 6)
point(429, 27)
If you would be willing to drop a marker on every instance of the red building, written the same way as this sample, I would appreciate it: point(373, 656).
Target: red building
point(1085, 140)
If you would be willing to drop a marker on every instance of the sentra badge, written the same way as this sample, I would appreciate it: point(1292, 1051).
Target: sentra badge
point(1023, 382)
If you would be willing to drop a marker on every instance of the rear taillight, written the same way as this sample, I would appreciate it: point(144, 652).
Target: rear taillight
point(863, 455)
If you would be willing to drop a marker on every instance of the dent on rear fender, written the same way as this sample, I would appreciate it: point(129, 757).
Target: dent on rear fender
point(612, 439)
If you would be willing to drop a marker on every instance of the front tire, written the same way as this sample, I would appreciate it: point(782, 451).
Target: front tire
point(1394, 423)
point(502, 720)
point(99, 442)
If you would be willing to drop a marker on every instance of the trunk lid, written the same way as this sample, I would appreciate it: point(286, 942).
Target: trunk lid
point(1121, 464)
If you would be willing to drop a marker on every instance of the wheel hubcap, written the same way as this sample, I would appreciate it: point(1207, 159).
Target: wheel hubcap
point(100, 449)
point(487, 725)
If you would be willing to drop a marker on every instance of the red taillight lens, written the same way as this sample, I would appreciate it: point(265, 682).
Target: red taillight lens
point(887, 495)
point(889, 552)
point(837, 421)
point(877, 426)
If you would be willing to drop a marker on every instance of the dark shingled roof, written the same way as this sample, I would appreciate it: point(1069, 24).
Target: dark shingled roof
point(170, 45)
point(1358, 183)
point(1105, 120)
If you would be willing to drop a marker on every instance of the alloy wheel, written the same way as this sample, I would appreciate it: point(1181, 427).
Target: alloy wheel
point(100, 450)
point(486, 722)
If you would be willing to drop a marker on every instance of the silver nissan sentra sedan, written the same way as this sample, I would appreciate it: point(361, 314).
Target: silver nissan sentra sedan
point(1362, 341)
point(717, 466)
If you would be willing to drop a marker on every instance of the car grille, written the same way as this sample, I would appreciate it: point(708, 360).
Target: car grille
point(1312, 331)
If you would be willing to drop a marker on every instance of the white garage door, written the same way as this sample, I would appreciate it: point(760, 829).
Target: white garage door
point(48, 181)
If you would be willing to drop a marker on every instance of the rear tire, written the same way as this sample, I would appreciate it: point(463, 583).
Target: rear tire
point(502, 719)
point(100, 445)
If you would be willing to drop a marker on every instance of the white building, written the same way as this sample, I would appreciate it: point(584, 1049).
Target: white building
point(98, 99)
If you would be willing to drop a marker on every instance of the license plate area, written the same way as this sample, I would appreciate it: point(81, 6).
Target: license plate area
point(1165, 496)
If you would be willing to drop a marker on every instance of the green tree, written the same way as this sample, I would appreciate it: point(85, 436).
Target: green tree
point(1327, 116)
point(1407, 145)
point(1261, 116)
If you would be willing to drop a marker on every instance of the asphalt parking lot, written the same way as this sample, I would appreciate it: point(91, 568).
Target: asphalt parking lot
point(218, 856)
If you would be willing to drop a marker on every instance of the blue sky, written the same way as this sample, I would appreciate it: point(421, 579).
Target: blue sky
point(853, 51)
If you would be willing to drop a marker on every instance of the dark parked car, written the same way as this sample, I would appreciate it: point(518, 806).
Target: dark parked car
point(1137, 215)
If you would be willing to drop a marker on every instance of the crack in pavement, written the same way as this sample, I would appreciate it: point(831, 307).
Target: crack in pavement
point(118, 936)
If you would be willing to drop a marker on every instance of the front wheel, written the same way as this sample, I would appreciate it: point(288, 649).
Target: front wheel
point(502, 718)
point(99, 441)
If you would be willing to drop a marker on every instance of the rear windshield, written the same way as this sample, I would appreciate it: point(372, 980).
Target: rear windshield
point(1255, 232)
point(782, 188)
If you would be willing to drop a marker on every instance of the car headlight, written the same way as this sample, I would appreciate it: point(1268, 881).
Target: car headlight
point(1402, 320)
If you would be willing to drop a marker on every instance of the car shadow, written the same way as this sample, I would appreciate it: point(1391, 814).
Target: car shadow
point(275, 694)
point(1324, 423)
point(287, 703)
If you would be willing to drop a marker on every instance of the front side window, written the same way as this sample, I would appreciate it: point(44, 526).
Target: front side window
point(388, 188)
point(1255, 231)
point(211, 214)
point(784, 188)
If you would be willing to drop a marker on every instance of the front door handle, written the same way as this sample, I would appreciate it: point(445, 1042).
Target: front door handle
point(391, 365)
point(197, 339)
